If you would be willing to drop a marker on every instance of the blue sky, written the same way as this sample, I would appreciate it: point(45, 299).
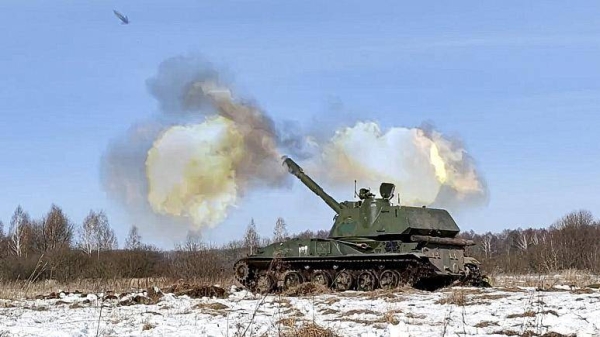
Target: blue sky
point(518, 82)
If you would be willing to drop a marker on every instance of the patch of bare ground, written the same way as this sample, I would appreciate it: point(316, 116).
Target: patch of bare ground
point(571, 277)
point(6, 304)
point(52, 289)
point(288, 322)
point(330, 300)
point(310, 330)
point(415, 316)
point(456, 297)
point(37, 308)
point(27, 289)
point(211, 306)
point(490, 297)
point(329, 311)
point(583, 291)
point(531, 313)
point(383, 294)
point(283, 302)
point(136, 299)
point(530, 333)
point(197, 291)
point(308, 288)
point(148, 326)
point(390, 317)
point(360, 312)
point(511, 289)
point(528, 313)
point(485, 324)
point(292, 312)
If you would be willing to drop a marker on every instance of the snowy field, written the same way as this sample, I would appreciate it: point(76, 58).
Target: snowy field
point(517, 311)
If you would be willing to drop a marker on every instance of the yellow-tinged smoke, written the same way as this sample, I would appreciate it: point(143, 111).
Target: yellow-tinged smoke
point(191, 170)
point(438, 163)
point(420, 163)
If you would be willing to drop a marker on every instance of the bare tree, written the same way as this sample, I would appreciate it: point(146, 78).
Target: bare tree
point(87, 233)
point(17, 231)
point(57, 230)
point(486, 244)
point(107, 240)
point(193, 242)
point(522, 240)
point(280, 232)
point(251, 239)
point(134, 239)
point(96, 234)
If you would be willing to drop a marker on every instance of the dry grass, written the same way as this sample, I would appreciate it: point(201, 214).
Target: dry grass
point(360, 312)
point(25, 289)
point(148, 326)
point(527, 313)
point(310, 330)
point(283, 302)
point(211, 306)
point(490, 297)
point(530, 333)
point(511, 289)
point(456, 297)
point(485, 324)
point(330, 300)
point(571, 277)
point(292, 312)
point(415, 316)
point(288, 322)
point(329, 311)
point(390, 317)
point(383, 294)
point(530, 313)
point(307, 288)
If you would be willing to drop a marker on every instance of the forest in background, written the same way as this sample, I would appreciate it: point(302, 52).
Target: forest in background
point(54, 248)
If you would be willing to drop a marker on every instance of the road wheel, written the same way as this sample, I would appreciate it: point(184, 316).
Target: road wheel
point(321, 277)
point(389, 279)
point(292, 279)
point(343, 281)
point(366, 281)
point(264, 283)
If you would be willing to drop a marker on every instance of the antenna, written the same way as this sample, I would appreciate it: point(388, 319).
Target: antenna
point(355, 195)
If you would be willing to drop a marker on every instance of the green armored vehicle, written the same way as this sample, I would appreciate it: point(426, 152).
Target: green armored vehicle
point(372, 244)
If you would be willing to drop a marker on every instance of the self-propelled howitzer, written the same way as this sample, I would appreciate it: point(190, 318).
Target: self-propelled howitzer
point(372, 244)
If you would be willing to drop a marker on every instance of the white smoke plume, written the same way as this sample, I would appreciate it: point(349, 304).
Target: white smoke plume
point(427, 168)
point(187, 166)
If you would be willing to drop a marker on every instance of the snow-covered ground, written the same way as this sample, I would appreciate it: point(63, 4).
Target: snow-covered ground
point(449, 312)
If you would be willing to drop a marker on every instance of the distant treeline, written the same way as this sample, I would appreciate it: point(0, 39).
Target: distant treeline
point(54, 248)
point(572, 242)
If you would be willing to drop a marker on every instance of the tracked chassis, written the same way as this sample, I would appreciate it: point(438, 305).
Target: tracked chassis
point(351, 272)
point(372, 244)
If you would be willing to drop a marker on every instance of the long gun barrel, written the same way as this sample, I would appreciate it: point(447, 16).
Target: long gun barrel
point(296, 170)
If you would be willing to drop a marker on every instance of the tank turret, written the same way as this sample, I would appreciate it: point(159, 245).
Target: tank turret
point(372, 217)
